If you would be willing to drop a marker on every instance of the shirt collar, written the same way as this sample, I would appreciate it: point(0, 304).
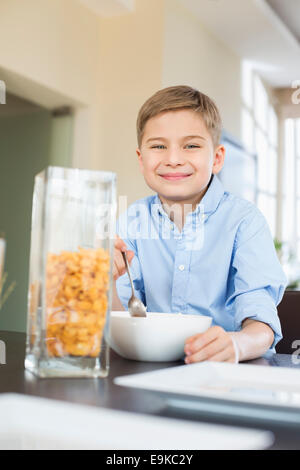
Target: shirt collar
point(213, 195)
point(208, 203)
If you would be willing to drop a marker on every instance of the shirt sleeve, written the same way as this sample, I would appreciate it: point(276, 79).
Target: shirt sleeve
point(257, 281)
point(123, 284)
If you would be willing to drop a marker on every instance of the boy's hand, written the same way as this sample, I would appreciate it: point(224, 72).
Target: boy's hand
point(119, 267)
point(215, 344)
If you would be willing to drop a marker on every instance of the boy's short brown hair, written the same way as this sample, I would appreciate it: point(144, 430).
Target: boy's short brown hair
point(181, 97)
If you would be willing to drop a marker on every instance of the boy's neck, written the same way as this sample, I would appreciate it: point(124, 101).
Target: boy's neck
point(178, 210)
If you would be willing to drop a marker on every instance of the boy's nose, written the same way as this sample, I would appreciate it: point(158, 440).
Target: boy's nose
point(174, 158)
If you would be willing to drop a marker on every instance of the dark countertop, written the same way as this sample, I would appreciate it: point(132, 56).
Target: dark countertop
point(104, 393)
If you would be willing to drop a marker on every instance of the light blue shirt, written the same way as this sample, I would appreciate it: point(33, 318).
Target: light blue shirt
point(222, 264)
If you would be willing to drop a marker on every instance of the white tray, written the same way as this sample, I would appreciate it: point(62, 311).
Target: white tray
point(244, 390)
point(37, 423)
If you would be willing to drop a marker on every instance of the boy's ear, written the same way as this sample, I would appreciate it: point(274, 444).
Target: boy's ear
point(218, 159)
point(140, 159)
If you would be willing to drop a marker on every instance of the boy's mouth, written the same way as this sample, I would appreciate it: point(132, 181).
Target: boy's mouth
point(175, 176)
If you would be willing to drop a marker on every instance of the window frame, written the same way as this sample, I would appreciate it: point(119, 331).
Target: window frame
point(249, 106)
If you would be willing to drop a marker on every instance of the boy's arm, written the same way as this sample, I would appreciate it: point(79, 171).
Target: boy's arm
point(216, 344)
point(255, 287)
point(257, 281)
point(254, 339)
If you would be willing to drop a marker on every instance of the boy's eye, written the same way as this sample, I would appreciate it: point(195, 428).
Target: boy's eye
point(193, 146)
point(160, 146)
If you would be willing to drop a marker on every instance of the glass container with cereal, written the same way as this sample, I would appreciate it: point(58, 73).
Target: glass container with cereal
point(70, 275)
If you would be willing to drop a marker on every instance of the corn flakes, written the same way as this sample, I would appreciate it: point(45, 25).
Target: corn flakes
point(76, 301)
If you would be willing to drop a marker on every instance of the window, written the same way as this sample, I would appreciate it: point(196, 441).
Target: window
point(260, 135)
point(291, 187)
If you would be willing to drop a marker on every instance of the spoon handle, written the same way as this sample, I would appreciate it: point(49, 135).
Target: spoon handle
point(128, 270)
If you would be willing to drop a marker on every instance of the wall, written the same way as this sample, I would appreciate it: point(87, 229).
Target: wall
point(25, 143)
point(61, 141)
point(288, 102)
point(193, 56)
point(53, 43)
point(49, 54)
point(131, 65)
point(59, 52)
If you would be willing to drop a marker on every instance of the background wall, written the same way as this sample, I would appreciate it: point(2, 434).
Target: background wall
point(61, 140)
point(53, 43)
point(49, 54)
point(25, 143)
point(58, 52)
point(131, 63)
point(193, 56)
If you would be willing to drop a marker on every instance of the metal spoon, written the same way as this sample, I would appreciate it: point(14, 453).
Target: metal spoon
point(135, 306)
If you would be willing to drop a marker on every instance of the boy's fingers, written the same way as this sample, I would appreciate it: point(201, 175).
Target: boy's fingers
point(215, 351)
point(204, 353)
point(118, 257)
point(190, 339)
point(117, 270)
point(116, 273)
point(130, 255)
point(119, 267)
point(223, 356)
point(203, 339)
point(218, 350)
point(120, 244)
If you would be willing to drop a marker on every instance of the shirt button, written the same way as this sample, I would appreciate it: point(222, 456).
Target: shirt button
point(181, 267)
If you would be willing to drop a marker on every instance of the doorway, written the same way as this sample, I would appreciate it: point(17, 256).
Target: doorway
point(31, 138)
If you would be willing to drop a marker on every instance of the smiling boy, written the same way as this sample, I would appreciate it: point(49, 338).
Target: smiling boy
point(207, 252)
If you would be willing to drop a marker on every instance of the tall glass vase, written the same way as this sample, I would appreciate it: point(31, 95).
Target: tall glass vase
point(70, 275)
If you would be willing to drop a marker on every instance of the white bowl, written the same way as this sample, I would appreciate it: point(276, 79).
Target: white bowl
point(159, 337)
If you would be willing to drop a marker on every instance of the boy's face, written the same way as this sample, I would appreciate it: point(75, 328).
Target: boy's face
point(177, 155)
